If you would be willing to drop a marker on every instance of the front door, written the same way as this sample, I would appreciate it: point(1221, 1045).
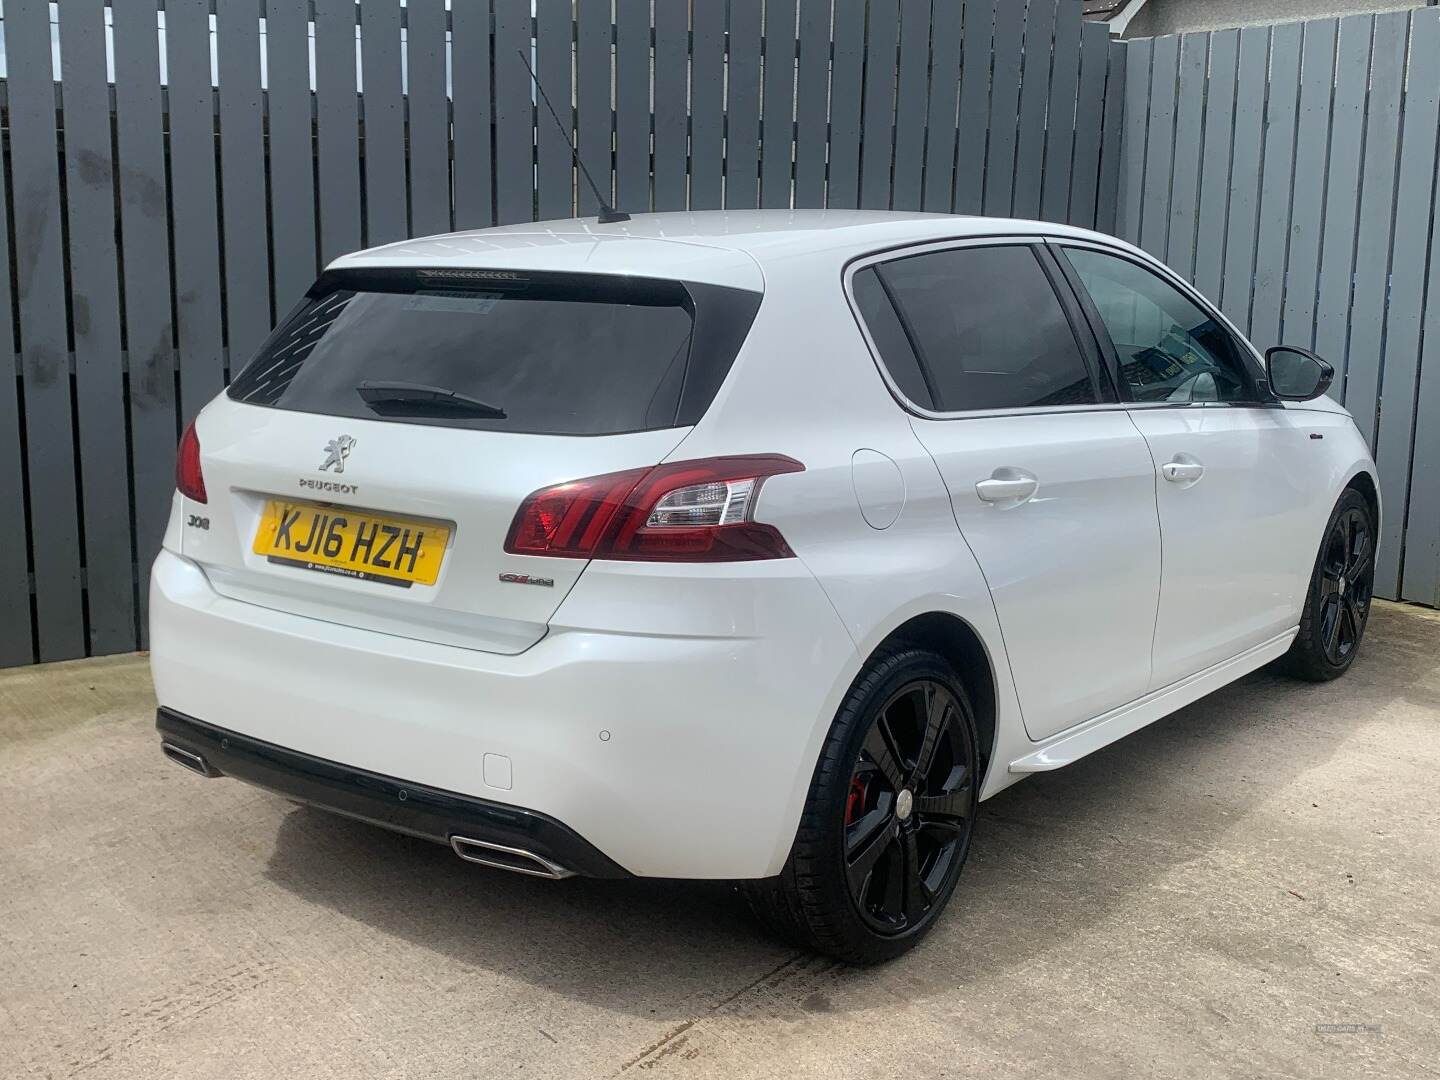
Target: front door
point(1235, 484)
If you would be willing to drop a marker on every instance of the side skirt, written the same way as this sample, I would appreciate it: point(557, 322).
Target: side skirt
point(1074, 743)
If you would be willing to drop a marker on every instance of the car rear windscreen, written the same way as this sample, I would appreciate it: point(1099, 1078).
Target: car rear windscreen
point(562, 354)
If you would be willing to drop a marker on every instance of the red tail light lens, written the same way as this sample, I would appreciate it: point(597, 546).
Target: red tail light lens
point(188, 478)
point(685, 511)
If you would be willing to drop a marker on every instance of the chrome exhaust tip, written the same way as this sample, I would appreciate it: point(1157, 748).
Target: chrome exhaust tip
point(500, 857)
point(187, 759)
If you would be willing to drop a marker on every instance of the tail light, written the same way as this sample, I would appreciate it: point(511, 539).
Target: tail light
point(685, 511)
point(188, 478)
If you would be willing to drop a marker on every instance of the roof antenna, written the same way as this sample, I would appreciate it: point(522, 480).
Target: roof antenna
point(608, 214)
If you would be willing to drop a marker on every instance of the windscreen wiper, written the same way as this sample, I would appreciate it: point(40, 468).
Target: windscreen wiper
point(417, 399)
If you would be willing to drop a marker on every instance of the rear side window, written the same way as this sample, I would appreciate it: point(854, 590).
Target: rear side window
point(880, 319)
point(986, 328)
point(555, 354)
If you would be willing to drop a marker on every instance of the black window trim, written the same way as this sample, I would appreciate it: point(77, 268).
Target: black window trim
point(1264, 398)
point(1090, 357)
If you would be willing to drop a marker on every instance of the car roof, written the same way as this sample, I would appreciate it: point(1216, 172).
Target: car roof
point(722, 247)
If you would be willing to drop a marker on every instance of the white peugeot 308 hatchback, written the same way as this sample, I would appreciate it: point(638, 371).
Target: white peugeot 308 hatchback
point(755, 546)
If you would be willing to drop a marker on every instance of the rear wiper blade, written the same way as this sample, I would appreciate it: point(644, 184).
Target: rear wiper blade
point(390, 398)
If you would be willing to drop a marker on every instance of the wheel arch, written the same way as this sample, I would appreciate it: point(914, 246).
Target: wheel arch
point(957, 641)
point(1363, 481)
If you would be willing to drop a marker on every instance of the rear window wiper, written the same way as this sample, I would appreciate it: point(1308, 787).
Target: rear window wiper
point(405, 398)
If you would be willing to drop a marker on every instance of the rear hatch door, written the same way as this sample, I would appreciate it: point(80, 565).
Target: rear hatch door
point(367, 466)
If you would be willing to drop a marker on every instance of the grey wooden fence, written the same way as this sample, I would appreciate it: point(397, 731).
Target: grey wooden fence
point(157, 231)
point(1290, 172)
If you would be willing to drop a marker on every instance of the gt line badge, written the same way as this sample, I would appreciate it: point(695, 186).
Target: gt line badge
point(336, 451)
point(526, 579)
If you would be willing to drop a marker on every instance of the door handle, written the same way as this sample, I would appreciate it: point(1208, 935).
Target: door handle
point(1009, 486)
point(1182, 472)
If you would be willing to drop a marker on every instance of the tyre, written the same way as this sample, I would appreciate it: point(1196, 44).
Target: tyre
point(887, 824)
point(1337, 604)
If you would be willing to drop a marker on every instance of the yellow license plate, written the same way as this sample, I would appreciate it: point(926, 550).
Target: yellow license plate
point(351, 543)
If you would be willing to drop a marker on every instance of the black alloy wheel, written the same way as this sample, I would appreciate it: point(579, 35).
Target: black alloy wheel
point(886, 827)
point(1338, 601)
point(910, 807)
point(1347, 576)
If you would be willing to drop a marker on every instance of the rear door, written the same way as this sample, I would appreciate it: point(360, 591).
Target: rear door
point(1237, 482)
point(1051, 484)
point(367, 466)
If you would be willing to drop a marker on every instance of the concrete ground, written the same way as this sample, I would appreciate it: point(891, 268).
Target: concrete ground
point(1197, 900)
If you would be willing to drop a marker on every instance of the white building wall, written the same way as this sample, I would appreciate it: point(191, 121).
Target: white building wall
point(1178, 16)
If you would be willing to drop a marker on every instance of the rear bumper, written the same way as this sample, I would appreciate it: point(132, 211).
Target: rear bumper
point(405, 807)
point(679, 741)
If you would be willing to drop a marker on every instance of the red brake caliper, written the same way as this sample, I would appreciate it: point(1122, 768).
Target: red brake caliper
point(855, 801)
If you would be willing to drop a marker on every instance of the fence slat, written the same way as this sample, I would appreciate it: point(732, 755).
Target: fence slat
point(149, 334)
point(1420, 579)
point(1159, 146)
point(910, 105)
point(1215, 185)
point(1317, 75)
point(778, 107)
point(632, 104)
point(1373, 233)
point(1187, 171)
point(942, 115)
point(1089, 126)
point(974, 107)
point(1004, 106)
point(555, 168)
point(742, 146)
point(845, 104)
point(1111, 151)
point(292, 150)
point(1034, 98)
point(1276, 184)
point(44, 363)
point(593, 123)
point(514, 115)
point(99, 386)
point(337, 128)
point(812, 89)
point(429, 116)
point(194, 209)
point(672, 85)
point(1065, 113)
point(1347, 135)
point(242, 181)
point(386, 203)
point(1132, 149)
point(878, 120)
point(471, 114)
point(1414, 203)
point(1235, 290)
point(16, 629)
point(708, 184)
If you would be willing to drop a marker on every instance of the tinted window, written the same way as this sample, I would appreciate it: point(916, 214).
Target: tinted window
point(889, 336)
point(556, 354)
point(989, 329)
point(1169, 348)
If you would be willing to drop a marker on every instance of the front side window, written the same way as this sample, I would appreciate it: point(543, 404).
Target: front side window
point(1169, 348)
point(984, 325)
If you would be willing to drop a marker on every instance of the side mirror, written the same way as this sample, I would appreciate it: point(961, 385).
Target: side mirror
point(1296, 374)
